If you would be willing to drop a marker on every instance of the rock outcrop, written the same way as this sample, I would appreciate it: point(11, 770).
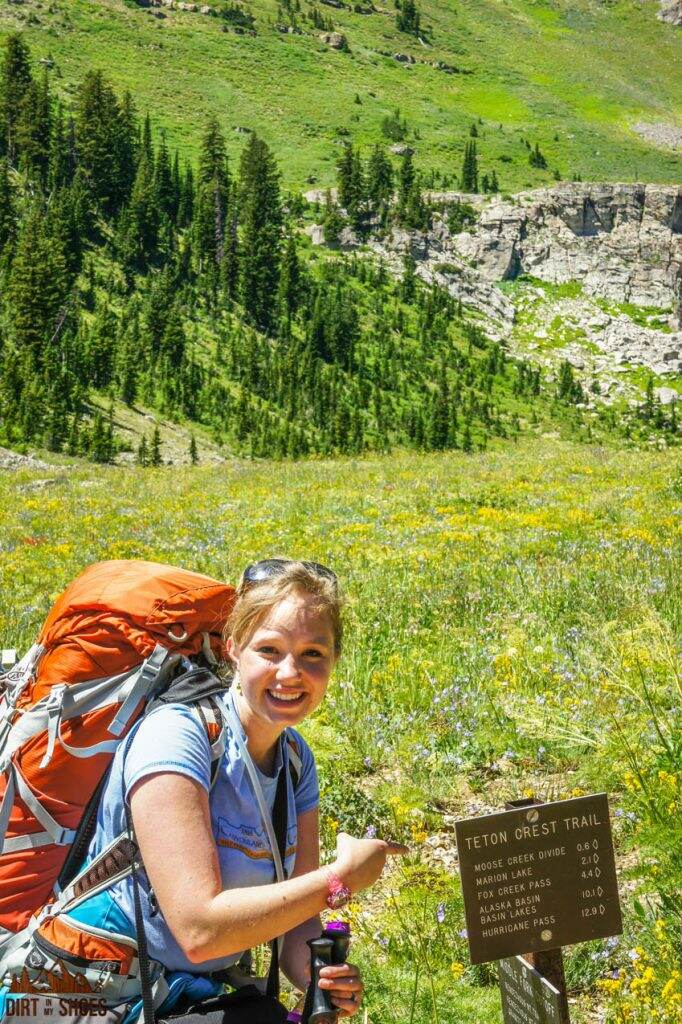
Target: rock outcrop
point(13, 460)
point(671, 11)
point(622, 242)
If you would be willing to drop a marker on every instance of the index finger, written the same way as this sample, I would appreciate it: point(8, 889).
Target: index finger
point(395, 849)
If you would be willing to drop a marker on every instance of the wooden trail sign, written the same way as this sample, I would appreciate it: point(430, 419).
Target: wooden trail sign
point(527, 997)
point(538, 877)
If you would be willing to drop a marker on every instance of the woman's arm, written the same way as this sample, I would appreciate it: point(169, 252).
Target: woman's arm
point(343, 982)
point(181, 860)
point(173, 828)
point(295, 959)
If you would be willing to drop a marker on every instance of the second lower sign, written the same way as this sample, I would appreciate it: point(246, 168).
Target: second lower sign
point(527, 997)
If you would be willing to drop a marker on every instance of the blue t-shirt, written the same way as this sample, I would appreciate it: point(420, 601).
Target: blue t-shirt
point(173, 739)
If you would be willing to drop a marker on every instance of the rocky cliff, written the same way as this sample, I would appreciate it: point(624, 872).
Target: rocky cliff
point(621, 243)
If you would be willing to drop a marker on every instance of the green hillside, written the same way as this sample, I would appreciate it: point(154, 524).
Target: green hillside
point(573, 75)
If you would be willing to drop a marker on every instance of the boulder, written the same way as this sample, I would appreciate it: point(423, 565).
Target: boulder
point(400, 149)
point(336, 40)
point(319, 195)
point(10, 460)
point(316, 234)
point(671, 11)
point(449, 69)
point(404, 58)
point(667, 396)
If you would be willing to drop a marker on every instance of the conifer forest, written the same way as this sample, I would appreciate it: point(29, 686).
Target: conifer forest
point(132, 276)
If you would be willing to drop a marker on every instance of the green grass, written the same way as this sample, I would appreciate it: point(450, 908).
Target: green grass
point(513, 618)
point(537, 71)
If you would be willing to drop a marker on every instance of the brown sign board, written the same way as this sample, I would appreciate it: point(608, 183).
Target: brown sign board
point(538, 877)
point(527, 997)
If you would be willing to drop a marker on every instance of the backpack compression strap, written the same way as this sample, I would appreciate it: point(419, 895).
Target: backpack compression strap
point(115, 861)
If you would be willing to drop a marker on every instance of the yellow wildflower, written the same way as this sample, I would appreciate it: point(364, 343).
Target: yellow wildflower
point(610, 984)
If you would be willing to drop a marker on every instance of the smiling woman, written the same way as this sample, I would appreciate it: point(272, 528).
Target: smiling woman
point(226, 821)
point(285, 638)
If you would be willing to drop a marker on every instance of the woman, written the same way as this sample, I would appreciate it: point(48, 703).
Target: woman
point(204, 847)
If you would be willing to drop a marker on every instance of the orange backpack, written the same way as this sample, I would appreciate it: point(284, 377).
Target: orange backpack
point(112, 641)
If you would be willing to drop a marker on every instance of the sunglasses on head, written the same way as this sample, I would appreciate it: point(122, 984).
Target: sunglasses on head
point(267, 568)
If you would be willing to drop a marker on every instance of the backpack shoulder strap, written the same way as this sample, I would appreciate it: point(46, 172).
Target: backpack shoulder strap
point(199, 688)
point(295, 759)
point(208, 712)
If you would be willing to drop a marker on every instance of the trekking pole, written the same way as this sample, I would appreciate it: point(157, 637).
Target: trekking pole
point(330, 948)
point(318, 1003)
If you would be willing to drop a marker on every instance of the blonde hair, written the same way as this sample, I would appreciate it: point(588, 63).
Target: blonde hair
point(255, 599)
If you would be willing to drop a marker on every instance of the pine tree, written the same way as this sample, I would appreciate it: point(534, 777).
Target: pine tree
point(139, 223)
point(344, 176)
point(37, 289)
point(406, 180)
point(193, 452)
point(186, 202)
point(568, 388)
point(408, 283)
point(102, 140)
point(143, 452)
point(32, 130)
point(8, 209)
point(332, 221)
point(15, 79)
point(128, 142)
point(469, 176)
point(99, 444)
point(416, 213)
point(56, 427)
point(155, 458)
point(146, 141)
point(536, 158)
point(467, 443)
point(101, 346)
point(73, 443)
point(109, 434)
point(212, 198)
point(290, 279)
point(407, 18)
point(128, 360)
point(379, 177)
point(166, 195)
point(174, 342)
point(261, 213)
point(229, 271)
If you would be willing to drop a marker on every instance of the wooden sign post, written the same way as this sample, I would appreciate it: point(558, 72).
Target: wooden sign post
point(537, 877)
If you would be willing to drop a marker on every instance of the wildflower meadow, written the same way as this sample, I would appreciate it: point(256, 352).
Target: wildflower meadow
point(512, 629)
